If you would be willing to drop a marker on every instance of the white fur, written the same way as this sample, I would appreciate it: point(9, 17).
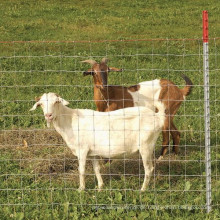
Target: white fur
point(118, 133)
point(147, 94)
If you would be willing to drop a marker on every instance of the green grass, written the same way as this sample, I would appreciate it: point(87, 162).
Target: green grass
point(40, 182)
point(89, 20)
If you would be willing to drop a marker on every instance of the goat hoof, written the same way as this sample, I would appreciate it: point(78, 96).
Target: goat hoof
point(99, 188)
point(80, 189)
point(160, 158)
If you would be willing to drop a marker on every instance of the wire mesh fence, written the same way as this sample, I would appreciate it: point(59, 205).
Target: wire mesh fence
point(37, 168)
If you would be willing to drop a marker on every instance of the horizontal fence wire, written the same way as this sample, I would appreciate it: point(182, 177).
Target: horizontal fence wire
point(103, 41)
point(37, 168)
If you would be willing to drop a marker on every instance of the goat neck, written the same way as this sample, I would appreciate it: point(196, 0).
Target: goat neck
point(101, 97)
point(63, 117)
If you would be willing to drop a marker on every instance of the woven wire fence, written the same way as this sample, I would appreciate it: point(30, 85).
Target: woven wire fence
point(38, 169)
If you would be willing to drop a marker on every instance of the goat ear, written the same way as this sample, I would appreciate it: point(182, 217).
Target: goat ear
point(37, 99)
point(113, 69)
point(63, 101)
point(92, 62)
point(34, 106)
point(88, 72)
point(104, 60)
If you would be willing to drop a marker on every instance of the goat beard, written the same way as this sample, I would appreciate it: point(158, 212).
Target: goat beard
point(48, 123)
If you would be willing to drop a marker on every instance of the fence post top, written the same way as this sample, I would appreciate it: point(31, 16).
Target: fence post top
point(205, 27)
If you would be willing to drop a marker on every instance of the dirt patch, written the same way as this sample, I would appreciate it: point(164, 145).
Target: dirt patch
point(44, 153)
point(15, 138)
point(38, 151)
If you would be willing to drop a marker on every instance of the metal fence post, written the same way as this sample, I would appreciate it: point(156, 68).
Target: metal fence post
point(207, 110)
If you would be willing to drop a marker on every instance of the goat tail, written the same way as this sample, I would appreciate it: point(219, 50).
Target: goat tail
point(161, 111)
point(188, 87)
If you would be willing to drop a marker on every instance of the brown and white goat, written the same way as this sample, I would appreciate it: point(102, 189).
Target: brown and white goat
point(111, 97)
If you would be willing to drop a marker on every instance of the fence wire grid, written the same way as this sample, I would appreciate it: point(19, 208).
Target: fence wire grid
point(38, 169)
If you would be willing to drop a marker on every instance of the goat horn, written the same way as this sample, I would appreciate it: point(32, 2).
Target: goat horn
point(104, 60)
point(92, 62)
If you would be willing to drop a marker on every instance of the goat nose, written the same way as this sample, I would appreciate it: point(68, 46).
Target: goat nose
point(48, 115)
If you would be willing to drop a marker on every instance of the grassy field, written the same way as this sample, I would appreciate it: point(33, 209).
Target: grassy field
point(40, 181)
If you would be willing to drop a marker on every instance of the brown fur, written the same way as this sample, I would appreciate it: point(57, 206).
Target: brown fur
point(172, 98)
point(134, 88)
point(37, 98)
point(110, 98)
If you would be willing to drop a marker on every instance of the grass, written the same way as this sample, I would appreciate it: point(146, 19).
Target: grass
point(40, 181)
point(93, 20)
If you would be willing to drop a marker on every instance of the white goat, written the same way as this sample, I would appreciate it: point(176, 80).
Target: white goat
point(93, 134)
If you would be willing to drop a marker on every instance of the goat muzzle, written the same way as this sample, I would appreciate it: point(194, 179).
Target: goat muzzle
point(48, 117)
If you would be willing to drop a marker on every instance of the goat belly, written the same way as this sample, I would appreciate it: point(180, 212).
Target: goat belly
point(107, 154)
point(115, 143)
point(111, 153)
